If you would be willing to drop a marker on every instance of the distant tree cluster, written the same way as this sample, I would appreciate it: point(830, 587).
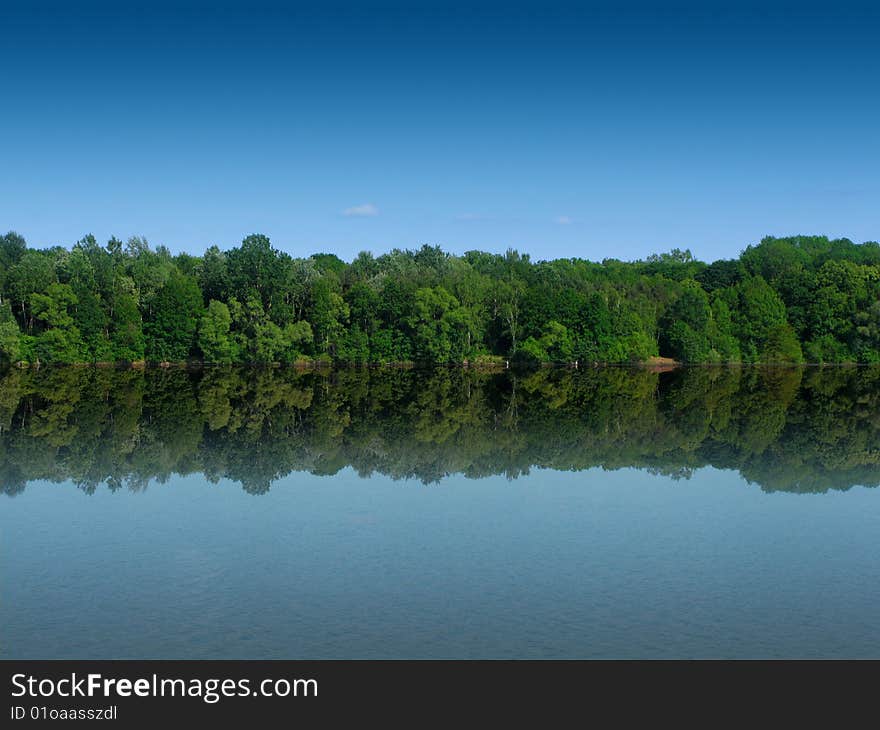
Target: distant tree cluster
point(785, 300)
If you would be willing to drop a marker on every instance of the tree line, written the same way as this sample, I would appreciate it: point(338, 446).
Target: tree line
point(785, 300)
point(794, 429)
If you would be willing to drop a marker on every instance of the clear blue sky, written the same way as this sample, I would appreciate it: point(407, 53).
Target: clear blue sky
point(588, 131)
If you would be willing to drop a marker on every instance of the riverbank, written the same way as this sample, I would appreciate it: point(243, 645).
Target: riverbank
point(655, 364)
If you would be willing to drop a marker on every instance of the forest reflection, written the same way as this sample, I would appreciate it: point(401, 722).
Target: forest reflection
point(791, 429)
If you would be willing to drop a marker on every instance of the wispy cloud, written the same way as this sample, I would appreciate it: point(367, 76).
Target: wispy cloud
point(563, 220)
point(367, 210)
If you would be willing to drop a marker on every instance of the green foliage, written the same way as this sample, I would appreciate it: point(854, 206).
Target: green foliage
point(530, 353)
point(826, 349)
point(10, 342)
point(783, 300)
point(60, 340)
point(32, 273)
point(329, 314)
point(62, 346)
point(686, 344)
point(214, 337)
point(781, 346)
point(276, 344)
point(126, 334)
point(684, 329)
point(756, 310)
point(175, 313)
point(439, 326)
point(10, 336)
point(555, 345)
point(12, 248)
point(53, 308)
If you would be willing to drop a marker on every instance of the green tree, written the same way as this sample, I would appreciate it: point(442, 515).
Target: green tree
point(60, 340)
point(10, 336)
point(329, 315)
point(12, 248)
point(685, 328)
point(32, 273)
point(756, 310)
point(171, 326)
point(781, 346)
point(214, 338)
point(433, 324)
point(126, 327)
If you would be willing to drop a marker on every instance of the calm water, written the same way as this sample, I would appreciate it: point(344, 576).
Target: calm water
point(613, 513)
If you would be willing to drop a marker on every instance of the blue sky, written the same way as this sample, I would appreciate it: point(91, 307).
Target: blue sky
point(584, 131)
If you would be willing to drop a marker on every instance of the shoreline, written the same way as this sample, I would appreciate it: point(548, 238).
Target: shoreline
point(653, 364)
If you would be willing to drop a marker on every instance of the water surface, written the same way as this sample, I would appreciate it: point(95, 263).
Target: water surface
point(275, 514)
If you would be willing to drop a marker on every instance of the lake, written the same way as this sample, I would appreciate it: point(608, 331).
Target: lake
point(603, 513)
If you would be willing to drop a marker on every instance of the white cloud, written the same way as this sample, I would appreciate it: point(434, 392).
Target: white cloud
point(563, 220)
point(367, 210)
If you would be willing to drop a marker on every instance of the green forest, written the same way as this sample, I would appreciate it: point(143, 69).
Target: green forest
point(786, 429)
point(785, 300)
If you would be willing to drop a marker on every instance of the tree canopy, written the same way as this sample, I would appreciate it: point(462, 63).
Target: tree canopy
point(785, 300)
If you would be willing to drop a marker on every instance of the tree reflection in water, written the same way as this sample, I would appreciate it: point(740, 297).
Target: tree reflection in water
point(791, 429)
